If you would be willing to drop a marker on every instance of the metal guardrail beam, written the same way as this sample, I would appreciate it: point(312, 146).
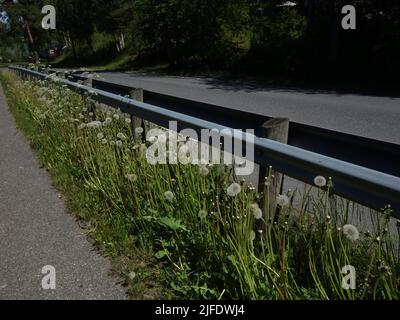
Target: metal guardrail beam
point(368, 187)
point(377, 155)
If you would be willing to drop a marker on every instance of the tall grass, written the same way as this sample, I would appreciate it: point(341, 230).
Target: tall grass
point(204, 227)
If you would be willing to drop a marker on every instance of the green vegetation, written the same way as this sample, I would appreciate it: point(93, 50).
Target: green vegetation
point(303, 43)
point(184, 231)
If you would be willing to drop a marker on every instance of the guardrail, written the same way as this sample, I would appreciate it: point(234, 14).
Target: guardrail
point(366, 186)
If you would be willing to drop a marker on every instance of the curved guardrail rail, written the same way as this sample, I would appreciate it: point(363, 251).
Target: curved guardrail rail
point(368, 187)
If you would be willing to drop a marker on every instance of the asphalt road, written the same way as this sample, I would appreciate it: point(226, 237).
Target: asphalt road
point(369, 116)
point(36, 231)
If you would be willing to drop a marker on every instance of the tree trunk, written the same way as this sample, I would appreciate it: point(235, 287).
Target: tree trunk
point(74, 50)
point(29, 37)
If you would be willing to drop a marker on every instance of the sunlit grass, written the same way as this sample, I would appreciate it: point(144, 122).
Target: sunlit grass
point(213, 236)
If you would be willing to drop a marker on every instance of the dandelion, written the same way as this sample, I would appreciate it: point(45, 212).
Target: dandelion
point(282, 200)
point(131, 177)
point(351, 232)
point(121, 136)
point(204, 171)
point(169, 196)
point(234, 189)
point(252, 235)
point(132, 275)
point(112, 143)
point(104, 141)
point(118, 143)
point(320, 181)
point(139, 131)
point(116, 116)
point(100, 136)
point(202, 214)
point(91, 114)
point(82, 126)
point(128, 121)
point(94, 124)
point(257, 212)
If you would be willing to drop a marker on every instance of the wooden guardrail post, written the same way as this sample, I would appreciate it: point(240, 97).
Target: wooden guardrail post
point(137, 122)
point(274, 129)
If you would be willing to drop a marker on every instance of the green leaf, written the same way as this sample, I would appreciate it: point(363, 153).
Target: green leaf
point(172, 223)
point(161, 254)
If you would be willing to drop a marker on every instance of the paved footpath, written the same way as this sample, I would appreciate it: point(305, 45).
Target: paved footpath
point(36, 231)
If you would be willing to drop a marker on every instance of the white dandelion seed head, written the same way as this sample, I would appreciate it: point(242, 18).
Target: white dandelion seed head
point(91, 114)
point(203, 214)
point(121, 136)
point(139, 131)
point(112, 143)
point(169, 196)
point(82, 126)
point(118, 143)
point(94, 124)
point(282, 200)
point(131, 177)
point(320, 181)
point(234, 189)
point(104, 141)
point(252, 235)
point(116, 116)
point(128, 121)
point(254, 206)
point(257, 212)
point(204, 171)
point(100, 136)
point(351, 232)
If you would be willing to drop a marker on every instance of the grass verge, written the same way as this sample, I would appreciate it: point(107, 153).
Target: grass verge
point(195, 232)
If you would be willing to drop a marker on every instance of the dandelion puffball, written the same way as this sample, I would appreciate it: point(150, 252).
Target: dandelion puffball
point(169, 196)
point(139, 131)
point(351, 232)
point(234, 189)
point(257, 212)
point(282, 200)
point(94, 124)
point(202, 214)
point(121, 136)
point(131, 177)
point(204, 171)
point(320, 181)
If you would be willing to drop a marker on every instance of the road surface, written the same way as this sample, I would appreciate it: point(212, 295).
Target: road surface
point(36, 231)
point(369, 116)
